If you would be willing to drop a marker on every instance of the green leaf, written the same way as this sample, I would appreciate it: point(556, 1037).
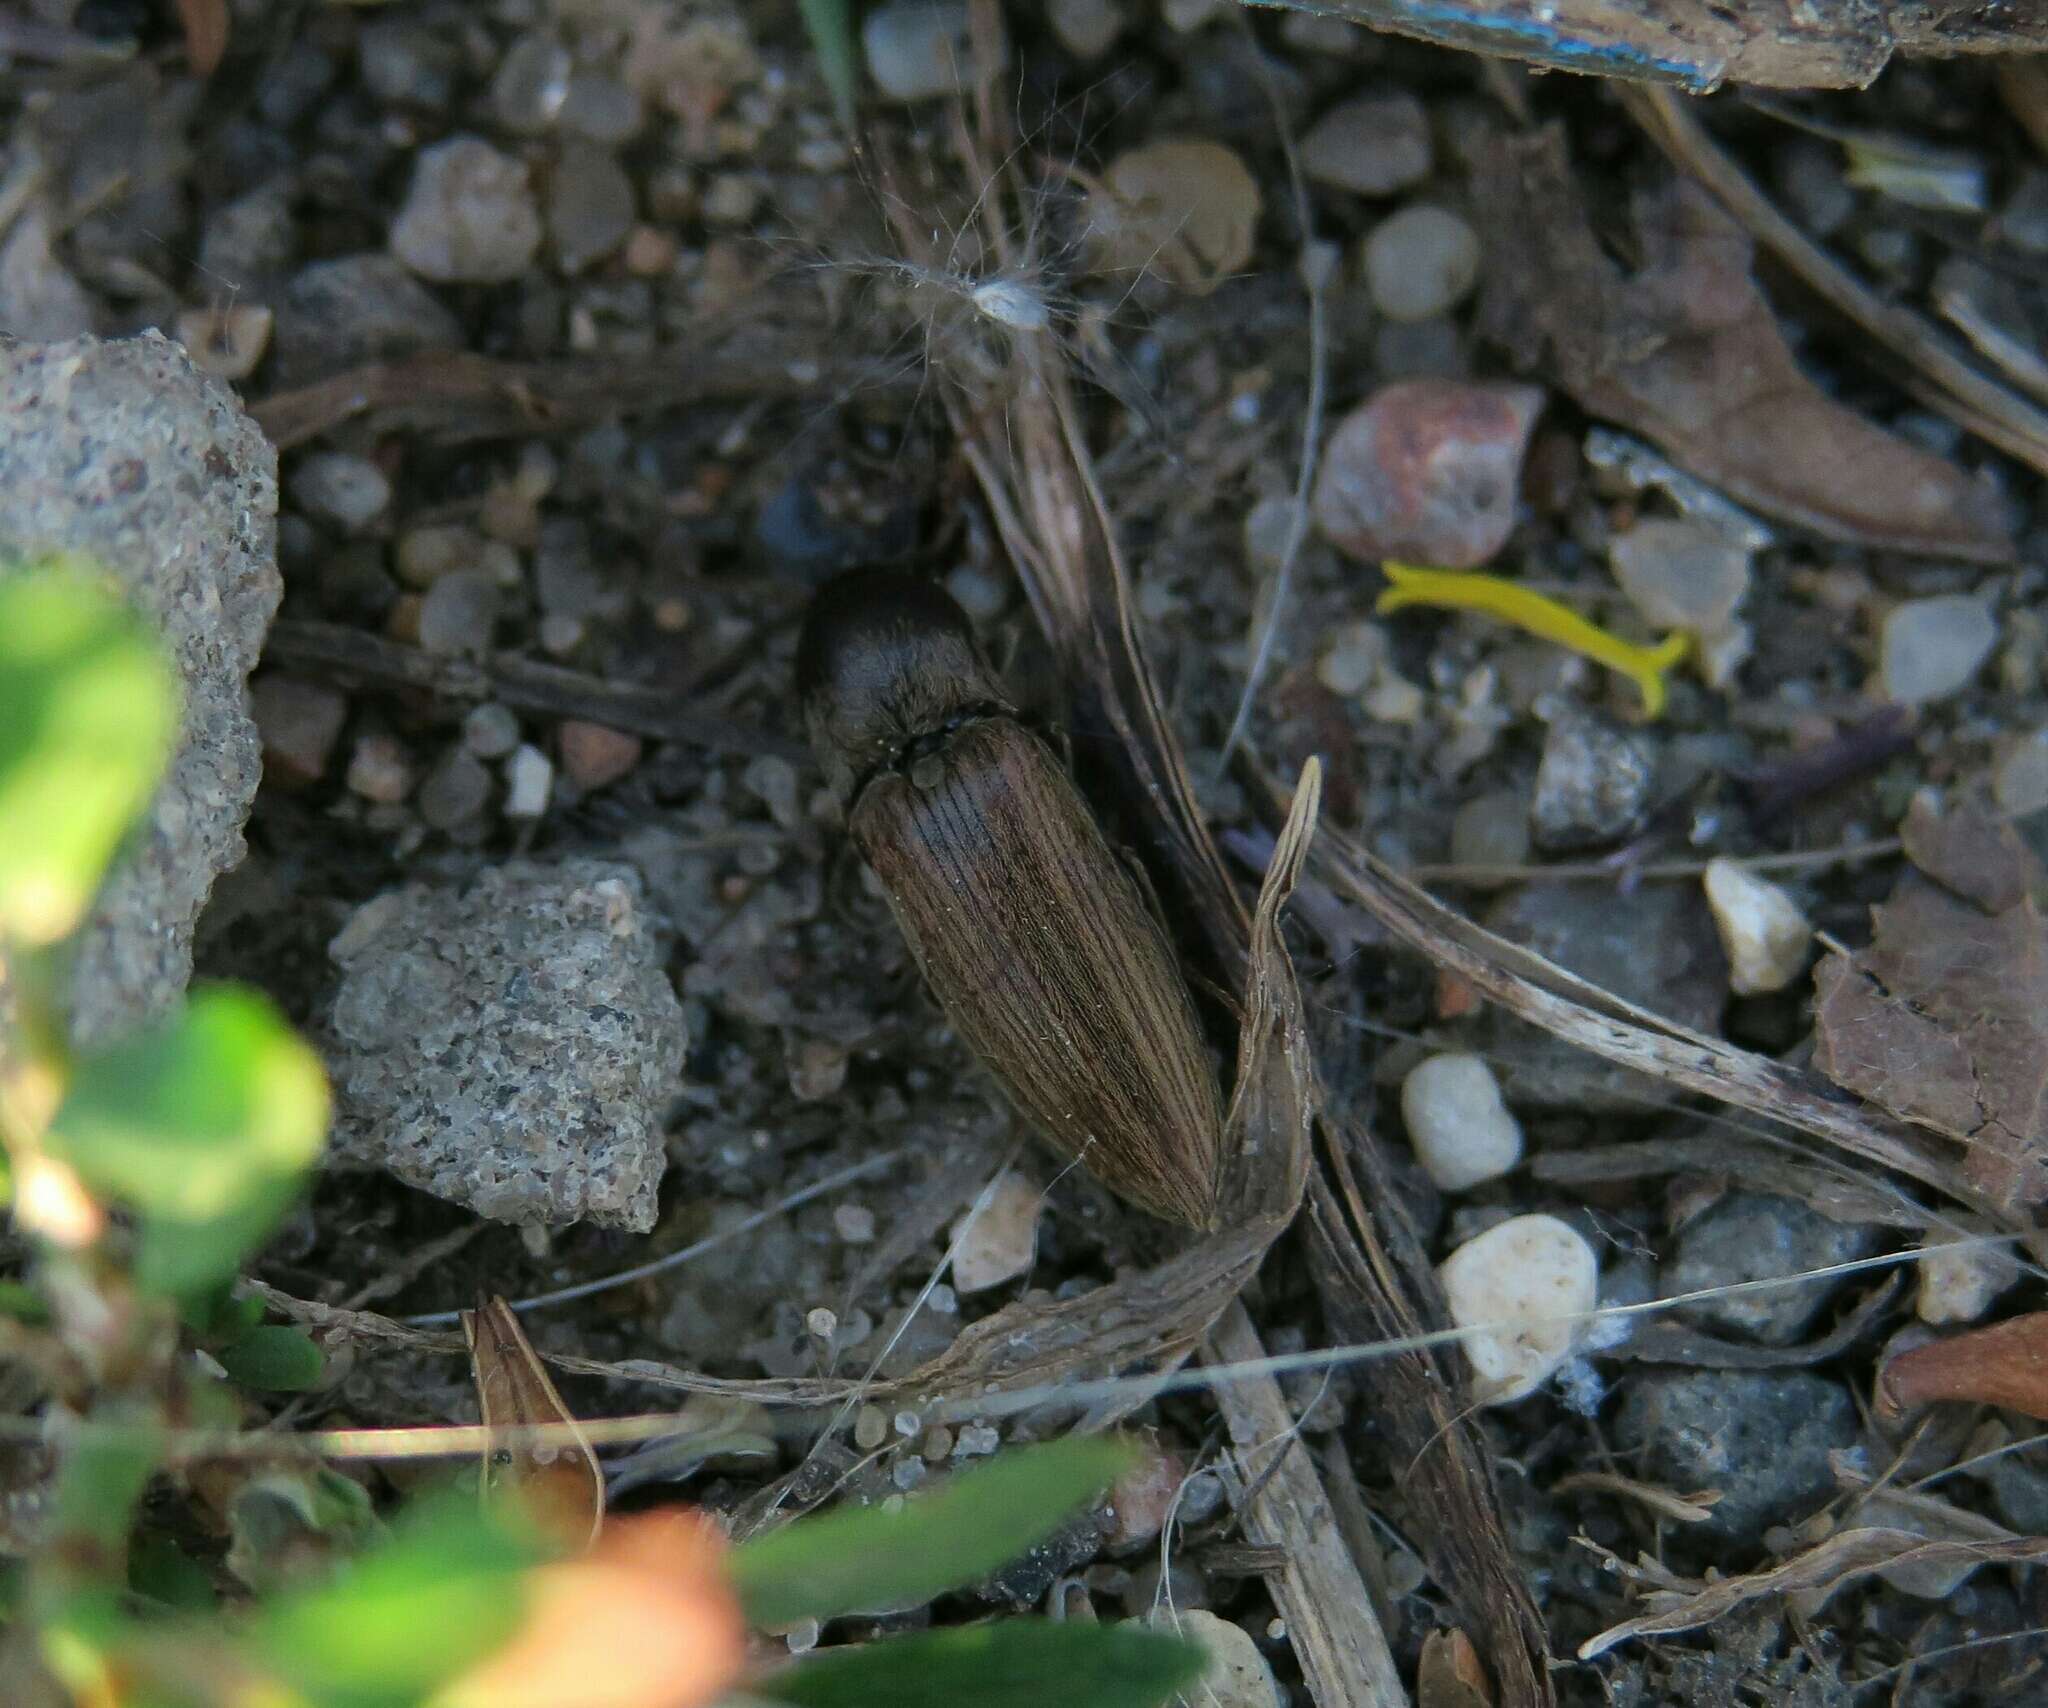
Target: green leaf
point(88, 710)
point(162, 1571)
point(175, 1259)
point(23, 1304)
point(1019, 1663)
point(405, 1618)
point(876, 1560)
point(103, 1477)
point(294, 1520)
point(200, 1119)
point(275, 1356)
point(829, 23)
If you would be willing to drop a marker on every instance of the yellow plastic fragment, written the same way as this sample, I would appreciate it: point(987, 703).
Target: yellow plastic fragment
point(1464, 590)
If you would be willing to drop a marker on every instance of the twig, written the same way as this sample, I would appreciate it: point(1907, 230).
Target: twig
point(1978, 401)
point(524, 683)
point(1314, 278)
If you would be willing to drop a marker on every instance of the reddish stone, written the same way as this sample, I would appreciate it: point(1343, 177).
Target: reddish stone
point(1427, 472)
point(594, 755)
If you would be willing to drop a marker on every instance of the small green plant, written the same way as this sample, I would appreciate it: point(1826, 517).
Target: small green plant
point(141, 1174)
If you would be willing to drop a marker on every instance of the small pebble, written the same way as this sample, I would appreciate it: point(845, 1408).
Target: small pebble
point(227, 341)
point(2019, 781)
point(1420, 262)
point(529, 780)
point(977, 592)
point(1237, 1675)
point(561, 634)
point(589, 206)
point(920, 48)
point(1958, 1280)
point(594, 755)
point(870, 1428)
point(1462, 1131)
point(817, 1069)
point(1526, 1269)
point(1086, 28)
point(802, 1637)
point(458, 613)
point(531, 85)
point(1762, 928)
point(348, 491)
point(426, 554)
point(491, 731)
point(1186, 209)
point(601, 109)
point(854, 1223)
point(1357, 653)
point(1000, 1240)
point(773, 781)
point(455, 792)
point(822, 1322)
point(1933, 648)
point(1426, 472)
point(380, 770)
point(906, 1424)
point(1267, 526)
point(907, 1473)
point(468, 217)
point(977, 1440)
point(1142, 1497)
point(1593, 783)
point(1491, 830)
point(299, 723)
point(1372, 147)
point(1680, 576)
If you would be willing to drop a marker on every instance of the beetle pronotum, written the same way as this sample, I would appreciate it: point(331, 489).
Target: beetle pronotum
point(1027, 926)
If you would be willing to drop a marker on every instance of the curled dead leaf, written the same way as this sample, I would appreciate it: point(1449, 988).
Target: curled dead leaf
point(557, 1481)
point(1185, 208)
point(1451, 1674)
point(2005, 1364)
point(646, 1619)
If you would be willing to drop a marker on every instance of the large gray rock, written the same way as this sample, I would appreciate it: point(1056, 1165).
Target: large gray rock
point(511, 1045)
point(127, 453)
point(1759, 1236)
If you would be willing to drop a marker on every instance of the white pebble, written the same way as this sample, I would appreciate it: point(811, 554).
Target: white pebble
point(1420, 262)
point(920, 48)
point(854, 1223)
point(1461, 1130)
point(1680, 576)
point(1237, 1675)
point(822, 1322)
point(1086, 28)
point(1959, 1280)
point(2020, 781)
point(529, 780)
point(1526, 1275)
point(1357, 651)
point(1372, 147)
point(998, 1237)
point(1933, 647)
point(349, 491)
point(1762, 929)
point(469, 217)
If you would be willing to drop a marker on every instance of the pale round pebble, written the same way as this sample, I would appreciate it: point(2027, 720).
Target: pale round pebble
point(380, 770)
point(1932, 648)
point(531, 85)
point(601, 109)
point(772, 780)
point(1958, 1280)
point(854, 1223)
point(822, 1322)
point(2019, 782)
point(1491, 830)
point(998, 1237)
point(1765, 934)
point(1237, 1675)
point(529, 780)
point(870, 1428)
point(1463, 1133)
point(1680, 576)
point(1267, 528)
point(468, 216)
point(920, 48)
point(589, 206)
point(594, 755)
point(977, 591)
point(458, 613)
point(977, 1440)
point(1086, 28)
point(1357, 653)
point(1183, 208)
point(349, 491)
point(1525, 1273)
point(907, 1473)
point(426, 554)
point(455, 792)
point(1421, 262)
point(1375, 146)
point(490, 731)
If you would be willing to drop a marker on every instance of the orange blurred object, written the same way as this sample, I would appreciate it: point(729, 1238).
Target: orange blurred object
point(646, 1619)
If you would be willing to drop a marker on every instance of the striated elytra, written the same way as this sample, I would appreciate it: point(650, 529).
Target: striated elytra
point(1028, 928)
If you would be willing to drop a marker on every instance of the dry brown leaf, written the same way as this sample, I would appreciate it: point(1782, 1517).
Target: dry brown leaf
point(1685, 351)
point(1451, 1674)
point(206, 33)
point(1839, 1561)
point(2003, 1365)
point(1969, 851)
point(645, 1620)
point(561, 1488)
point(1941, 1021)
